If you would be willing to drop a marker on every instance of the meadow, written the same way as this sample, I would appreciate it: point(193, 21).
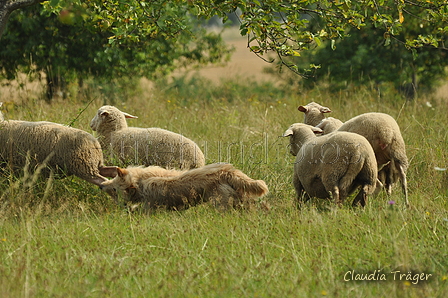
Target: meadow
point(65, 238)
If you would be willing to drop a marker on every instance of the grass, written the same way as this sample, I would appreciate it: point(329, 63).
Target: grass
point(65, 238)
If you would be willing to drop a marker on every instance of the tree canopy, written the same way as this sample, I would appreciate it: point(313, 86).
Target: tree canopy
point(167, 32)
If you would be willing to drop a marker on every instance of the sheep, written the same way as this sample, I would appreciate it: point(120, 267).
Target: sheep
point(335, 164)
point(383, 133)
point(157, 187)
point(314, 113)
point(144, 146)
point(329, 125)
point(64, 150)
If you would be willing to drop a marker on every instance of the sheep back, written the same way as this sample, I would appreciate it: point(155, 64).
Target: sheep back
point(73, 151)
point(383, 133)
point(155, 146)
point(329, 125)
point(342, 159)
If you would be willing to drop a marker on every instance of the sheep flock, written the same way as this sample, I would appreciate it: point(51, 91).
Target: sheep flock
point(333, 159)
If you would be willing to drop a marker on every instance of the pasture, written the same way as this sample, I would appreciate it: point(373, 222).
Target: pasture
point(65, 238)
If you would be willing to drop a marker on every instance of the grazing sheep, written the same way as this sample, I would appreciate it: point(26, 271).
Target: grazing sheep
point(314, 113)
point(157, 187)
point(335, 164)
point(64, 150)
point(144, 146)
point(329, 125)
point(383, 133)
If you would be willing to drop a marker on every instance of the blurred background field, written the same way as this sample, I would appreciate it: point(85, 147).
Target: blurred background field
point(67, 238)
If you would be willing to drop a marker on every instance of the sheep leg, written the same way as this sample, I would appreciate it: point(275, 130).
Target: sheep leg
point(404, 183)
point(378, 187)
point(361, 197)
point(299, 191)
point(335, 195)
point(385, 175)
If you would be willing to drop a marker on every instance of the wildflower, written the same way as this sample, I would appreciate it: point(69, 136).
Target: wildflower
point(427, 213)
point(324, 293)
point(428, 104)
point(391, 202)
point(3, 239)
point(407, 283)
point(444, 277)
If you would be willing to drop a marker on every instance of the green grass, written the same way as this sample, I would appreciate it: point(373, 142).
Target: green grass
point(65, 238)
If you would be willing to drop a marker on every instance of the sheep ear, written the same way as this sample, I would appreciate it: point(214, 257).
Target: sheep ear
point(302, 109)
point(104, 113)
point(317, 130)
point(325, 110)
point(122, 172)
point(288, 133)
point(110, 172)
point(126, 115)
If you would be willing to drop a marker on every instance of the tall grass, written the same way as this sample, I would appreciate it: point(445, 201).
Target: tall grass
point(65, 238)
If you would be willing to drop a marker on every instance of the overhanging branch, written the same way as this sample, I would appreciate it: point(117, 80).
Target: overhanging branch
point(8, 6)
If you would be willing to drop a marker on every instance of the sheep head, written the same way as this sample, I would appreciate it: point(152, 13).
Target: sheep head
point(314, 113)
point(298, 134)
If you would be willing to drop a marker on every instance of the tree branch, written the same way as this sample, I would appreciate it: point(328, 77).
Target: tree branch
point(8, 6)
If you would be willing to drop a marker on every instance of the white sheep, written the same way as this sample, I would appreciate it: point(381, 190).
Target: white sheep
point(383, 133)
point(335, 164)
point(144, 146)
point(314, 113)
point(65, 150)
point(329, 125)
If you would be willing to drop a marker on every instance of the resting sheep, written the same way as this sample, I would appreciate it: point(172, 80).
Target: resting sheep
point(144, 146)
point(314, 113)
point(64, 150)
point(383, 133)
point(335, 164)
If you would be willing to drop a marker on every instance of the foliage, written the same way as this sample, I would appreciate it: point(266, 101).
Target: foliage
point(67, 238)
point(110, 38)
point(283, 27)
point(80, 43)
point(365, 56)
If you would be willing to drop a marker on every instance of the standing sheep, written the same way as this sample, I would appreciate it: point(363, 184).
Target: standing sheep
point(64, 150)
point(383, 133)
point(335, 164)
point(314, 113)
point(144, 146)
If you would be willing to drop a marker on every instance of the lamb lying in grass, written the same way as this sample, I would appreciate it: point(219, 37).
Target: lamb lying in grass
point(156, 187)
point(143, 146)
point(335, 164)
